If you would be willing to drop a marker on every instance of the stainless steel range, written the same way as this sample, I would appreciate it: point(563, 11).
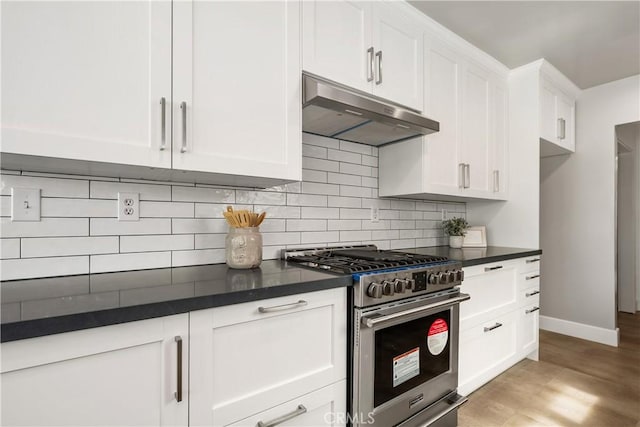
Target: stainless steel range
point(404, 334)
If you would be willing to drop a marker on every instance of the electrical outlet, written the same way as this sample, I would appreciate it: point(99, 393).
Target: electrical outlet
point(25, 204)
point(375, 214)
point(128, 206)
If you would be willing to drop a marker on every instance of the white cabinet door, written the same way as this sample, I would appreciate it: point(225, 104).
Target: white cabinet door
point(84, 80)
point(324, 407)
point(442, 103)
point(397, 39)
point(336, 37)
point(548, 113)
point(499, 142)
point(476, 128)
point(121, 375)
point(566, 114)
point(245, 360)
point(237, 88)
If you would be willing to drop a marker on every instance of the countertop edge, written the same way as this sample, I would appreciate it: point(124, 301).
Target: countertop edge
point(26, 329)
point(498, 258)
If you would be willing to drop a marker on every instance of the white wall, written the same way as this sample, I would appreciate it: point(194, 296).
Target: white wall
point(578, 211)
point(516, 222)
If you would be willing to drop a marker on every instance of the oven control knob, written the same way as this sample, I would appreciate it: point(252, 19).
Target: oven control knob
point(400, 285)
point(374, 290)
point(443, 278)
point(411, 284)
point(460, 275)
point(433, 279)
point(388, 287)
point(452, 276)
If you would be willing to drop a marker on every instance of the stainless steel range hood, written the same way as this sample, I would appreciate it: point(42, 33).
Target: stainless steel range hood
point(330, 109)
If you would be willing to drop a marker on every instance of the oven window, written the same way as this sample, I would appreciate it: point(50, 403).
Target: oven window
point(410, 354)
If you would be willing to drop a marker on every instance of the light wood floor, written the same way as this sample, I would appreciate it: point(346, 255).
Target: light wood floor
point(575, 383)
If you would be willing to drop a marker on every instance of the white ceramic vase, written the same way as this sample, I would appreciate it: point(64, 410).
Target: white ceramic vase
point(456, 241)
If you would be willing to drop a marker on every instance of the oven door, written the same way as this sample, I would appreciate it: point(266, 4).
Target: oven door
point(405, 358)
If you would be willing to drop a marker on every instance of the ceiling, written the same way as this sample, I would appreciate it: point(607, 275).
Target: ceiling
point(591, 42)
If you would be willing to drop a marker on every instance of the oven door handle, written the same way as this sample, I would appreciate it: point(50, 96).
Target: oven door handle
point(371, 322)
point(454, 400)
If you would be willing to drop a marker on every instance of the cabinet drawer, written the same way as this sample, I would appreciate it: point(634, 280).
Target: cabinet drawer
point(324, 407)
point(249, 357)
point(529, 296)
point(486, 350)
point(492, 293)
point(529, 264)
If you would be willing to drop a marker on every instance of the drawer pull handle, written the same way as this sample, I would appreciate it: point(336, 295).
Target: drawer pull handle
point(178, 393)
point(491, 328)
point(299, 411)
point(529, 261)
point(535, 276)
point(497, 267)
point(282, 307)
point(530, 294)
point(532, 310)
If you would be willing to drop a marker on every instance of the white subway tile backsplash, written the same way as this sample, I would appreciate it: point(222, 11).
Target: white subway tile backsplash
point(166, 210)
point(175, 242)
point(50, 187)
point(198, 257)
point(306, 225)
point(202, 194)
point(344, 156)
point(355, 148)
point(46, 227)
point(191, 226)
point(28, 268)
point(132, 261)
point(113, 227)
point(316, 188)
point(210, 241)
point(110, 190)
point(182, 223)
point(309, 175)
point(319, 236)
point(344, 224)
point(74, 208)
point(9, 248)
point(37, 247)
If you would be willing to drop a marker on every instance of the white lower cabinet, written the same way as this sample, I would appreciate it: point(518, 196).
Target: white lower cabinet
point(120, 375)
point(253, 357)
point(324, 407)
point(499, 324)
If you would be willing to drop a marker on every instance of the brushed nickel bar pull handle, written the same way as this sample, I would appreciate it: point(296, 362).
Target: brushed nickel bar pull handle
point(530, 294)
point(496, 181)
point(564, 129)
point(299, 411)
point(559, 128)
point(532, 310)
point(491, 328)
point(379, 61)
point(282, 307)
point(532, 260)
point(370, 70)
point(497, 267)
point(183, 107)
point(461, 181)
point(467, 175)
point(535, 276)
point(163, 123)
point(178, 394)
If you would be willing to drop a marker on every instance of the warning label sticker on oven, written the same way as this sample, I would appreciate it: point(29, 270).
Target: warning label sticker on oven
point(437, 336)
point(406, 366)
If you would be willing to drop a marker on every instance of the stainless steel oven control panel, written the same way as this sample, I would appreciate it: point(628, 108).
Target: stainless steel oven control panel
point(383, 286)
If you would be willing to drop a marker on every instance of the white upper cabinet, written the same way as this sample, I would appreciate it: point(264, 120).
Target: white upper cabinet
point(85, 80)
point(208, 89)
point(557, 111)
point(371, 46)
point(467, 157)
point(237, 88)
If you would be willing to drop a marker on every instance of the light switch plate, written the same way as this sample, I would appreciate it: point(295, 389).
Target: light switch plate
point(25, 204)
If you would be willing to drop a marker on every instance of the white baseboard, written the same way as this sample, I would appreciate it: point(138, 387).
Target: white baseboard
point(580, 330)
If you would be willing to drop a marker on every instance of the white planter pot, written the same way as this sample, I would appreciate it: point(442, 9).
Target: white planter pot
point(456, 241)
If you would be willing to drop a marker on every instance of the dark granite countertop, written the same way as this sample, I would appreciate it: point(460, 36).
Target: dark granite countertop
point(38, 307)
point(476, 256)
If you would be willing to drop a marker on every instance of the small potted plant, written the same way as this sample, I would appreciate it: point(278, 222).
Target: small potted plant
point(456, 228)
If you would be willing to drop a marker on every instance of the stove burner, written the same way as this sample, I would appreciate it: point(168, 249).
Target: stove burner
point(361, 259)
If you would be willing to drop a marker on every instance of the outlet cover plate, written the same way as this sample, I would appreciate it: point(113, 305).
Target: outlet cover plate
point(128, 206)
point(25, 204)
